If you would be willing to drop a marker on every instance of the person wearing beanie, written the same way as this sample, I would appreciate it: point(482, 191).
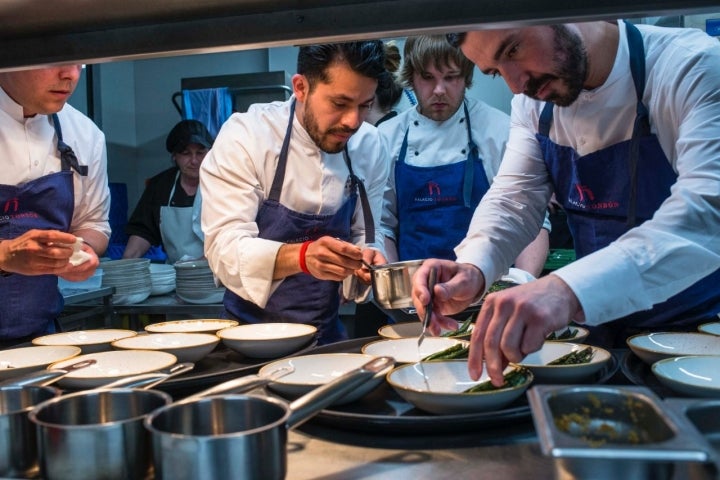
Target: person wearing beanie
point(163, 216)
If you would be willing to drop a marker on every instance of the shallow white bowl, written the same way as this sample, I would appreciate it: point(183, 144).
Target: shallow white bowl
point(210, 325)
point(405, 350)
point(90, 341)
point(409, 330)
point(652, 347)
point(537, 363)
point(580, 334)
point(29, 359)
point(692, 375)
point(113, 365)
point(712, 328)
point(187, 347)
point(437, 387)
point(267, 340)
point(312, 371)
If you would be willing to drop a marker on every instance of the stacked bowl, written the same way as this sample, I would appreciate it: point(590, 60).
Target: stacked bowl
point(194, 283)
point(130, 277)
point(162, 278)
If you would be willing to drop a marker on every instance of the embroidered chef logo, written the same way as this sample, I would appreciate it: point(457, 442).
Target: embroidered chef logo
point(11, 206)
point(586, 199)
point(433, 193)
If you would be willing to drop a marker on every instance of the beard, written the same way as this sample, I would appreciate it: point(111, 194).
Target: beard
point(571, 64)
point(323, 140)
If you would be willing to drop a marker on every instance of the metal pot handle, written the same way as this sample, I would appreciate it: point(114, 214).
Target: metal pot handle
point(243, 384)
point(308, 405)
point(46, 377)
point(146, 381)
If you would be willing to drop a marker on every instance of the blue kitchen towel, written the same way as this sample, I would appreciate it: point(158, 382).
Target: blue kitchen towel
point(211, 106)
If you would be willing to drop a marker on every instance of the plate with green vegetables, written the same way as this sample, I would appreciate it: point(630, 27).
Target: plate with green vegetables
point(565, 362)
point(444, 387)
point(413, 330)
point(406, 350)
point(571, 333)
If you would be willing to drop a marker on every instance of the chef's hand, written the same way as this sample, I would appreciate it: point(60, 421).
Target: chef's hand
point(84, 270)
point(456, 286)
point(37, 252)
point(329, 258)
point(371, 257)
point(514, 322)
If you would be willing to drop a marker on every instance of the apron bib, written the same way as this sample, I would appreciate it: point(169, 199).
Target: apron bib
point(31, 304)
point(302, 298)
point(610, 191)
point(176, 230)
point(435, 204)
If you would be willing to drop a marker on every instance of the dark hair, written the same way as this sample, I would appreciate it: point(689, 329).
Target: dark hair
point(366, 58)
point(456, 39)
point(389, 90)
point(424, 50)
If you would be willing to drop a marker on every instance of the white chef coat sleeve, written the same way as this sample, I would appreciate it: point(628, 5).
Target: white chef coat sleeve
point(231, 182)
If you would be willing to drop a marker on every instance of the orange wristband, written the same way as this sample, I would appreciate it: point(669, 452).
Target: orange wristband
point(303, 249)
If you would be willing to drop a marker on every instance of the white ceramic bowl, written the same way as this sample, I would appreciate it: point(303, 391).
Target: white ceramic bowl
point(697, 376)
point(537, 363)
point(90, 341)
point(580, 334)
point(312, 371)
point(409, 330)
point(405, 350)
point(19, 361)
point(210, 325)
point(112, 366)
point(712, 328)
point(652, 347)
point(267, 340)
point(437, 387)
point(187, 347)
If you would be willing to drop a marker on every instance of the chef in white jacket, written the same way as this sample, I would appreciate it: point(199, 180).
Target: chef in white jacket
point(292, 190)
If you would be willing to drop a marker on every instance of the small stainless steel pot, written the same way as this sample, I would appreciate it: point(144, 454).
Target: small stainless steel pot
point(18, 443)
point(392, 283)
point(239, 436)
point(98, 433)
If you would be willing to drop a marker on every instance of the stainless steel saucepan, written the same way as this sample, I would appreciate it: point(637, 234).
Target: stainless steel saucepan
point(18, 395)
point(239, 436)
point(392, 283)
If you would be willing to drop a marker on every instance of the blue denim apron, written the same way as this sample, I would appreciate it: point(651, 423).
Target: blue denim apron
point(302, 298)
point(610, 191)
point(435, 204)
point(31, 304)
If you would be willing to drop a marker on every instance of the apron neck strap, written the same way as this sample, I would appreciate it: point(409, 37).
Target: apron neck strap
point(172, 191)
point(68, 159)
point(364, 201)
point(279, 179)
point(468, 178)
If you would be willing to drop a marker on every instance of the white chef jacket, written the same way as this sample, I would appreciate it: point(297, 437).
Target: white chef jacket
point(236, 177)
point(432, 143)
point(29, 150)
point(681, 243)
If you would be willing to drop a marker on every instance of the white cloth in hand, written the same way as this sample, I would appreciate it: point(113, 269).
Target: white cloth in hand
point(79, 256)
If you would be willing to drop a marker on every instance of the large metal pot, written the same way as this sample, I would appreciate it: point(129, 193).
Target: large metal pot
point(18, 444)
point(239, 436)
point(392, 283)
point(98, 434)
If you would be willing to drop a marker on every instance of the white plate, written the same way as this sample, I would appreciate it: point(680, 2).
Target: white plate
point(693, 375)
point(311, 371)
point(267, 340)
point(711, 328)
point(652, 347)
point(437, 387)
point(90, 341)
point(405, 350)
point(580, 334)
point(114, 365)
point(409, 330)
point(537, 363)
point(187, 347)
point(29, 359)
point(211, 325)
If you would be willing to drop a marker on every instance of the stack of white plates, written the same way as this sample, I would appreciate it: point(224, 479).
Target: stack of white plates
point(130, 277)
point(194, 283)
point(162, 278)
